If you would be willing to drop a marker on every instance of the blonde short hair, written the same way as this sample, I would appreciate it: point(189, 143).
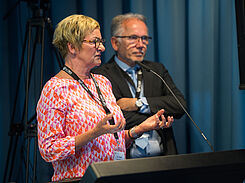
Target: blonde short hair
point(72, 30)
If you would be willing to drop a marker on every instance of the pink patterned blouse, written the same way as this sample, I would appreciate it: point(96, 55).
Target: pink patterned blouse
point(66, 110)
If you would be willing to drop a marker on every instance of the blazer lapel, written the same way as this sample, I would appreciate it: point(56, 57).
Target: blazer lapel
point(120, 78)
point(148, 81)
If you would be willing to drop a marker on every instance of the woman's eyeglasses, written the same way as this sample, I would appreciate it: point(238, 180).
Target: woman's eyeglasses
point(96, 42)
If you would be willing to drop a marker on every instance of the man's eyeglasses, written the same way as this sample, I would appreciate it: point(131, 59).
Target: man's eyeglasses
point(135, 39)
point(96, 42)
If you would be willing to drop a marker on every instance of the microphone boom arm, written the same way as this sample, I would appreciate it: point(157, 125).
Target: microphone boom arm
point(200, 131)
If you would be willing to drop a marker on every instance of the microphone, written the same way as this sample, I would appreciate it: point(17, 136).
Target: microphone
point(200, 131)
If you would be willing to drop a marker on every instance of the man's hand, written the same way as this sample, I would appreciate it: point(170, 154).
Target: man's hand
point(127, 104)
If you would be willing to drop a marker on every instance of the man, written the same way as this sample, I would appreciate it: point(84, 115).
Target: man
point(140, 93)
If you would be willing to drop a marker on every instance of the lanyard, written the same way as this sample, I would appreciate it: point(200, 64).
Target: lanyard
point(101, 97)
point(139, 83)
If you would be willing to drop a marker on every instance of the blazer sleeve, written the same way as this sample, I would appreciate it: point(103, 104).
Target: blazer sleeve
point(158, 95)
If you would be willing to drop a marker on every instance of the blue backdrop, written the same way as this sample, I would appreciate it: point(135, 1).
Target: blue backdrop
point(195, 39)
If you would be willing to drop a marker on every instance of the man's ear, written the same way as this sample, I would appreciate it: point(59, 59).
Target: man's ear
point(114, 43)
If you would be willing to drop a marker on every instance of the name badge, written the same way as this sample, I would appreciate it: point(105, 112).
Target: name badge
point(119, 155)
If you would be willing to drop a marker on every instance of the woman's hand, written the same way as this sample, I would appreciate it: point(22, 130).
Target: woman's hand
point(104, 126)
point(101, 128)
point(155, 122)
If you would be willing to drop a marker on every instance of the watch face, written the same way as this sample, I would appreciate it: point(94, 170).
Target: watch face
point(138, 103)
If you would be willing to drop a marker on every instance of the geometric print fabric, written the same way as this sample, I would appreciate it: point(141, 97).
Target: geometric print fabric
point(66, 110)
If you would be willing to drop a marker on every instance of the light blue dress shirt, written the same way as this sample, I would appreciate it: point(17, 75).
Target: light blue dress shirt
point(145, 108)
point(149, 143)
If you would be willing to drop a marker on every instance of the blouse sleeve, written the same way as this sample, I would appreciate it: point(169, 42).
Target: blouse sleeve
point(51, 112)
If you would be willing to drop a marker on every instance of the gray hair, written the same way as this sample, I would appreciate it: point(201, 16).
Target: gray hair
point(117, 29)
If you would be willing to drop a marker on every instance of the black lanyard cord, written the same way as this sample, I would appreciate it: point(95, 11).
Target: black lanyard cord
point(129, 79)
point(101, 97)
point(139, 83)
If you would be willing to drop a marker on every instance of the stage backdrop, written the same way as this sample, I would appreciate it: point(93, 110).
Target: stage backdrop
point(195, 39)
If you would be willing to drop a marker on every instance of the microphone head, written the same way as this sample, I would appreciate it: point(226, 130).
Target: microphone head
point(143, 66)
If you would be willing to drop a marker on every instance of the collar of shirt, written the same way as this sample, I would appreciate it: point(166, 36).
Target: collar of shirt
point(124, 66)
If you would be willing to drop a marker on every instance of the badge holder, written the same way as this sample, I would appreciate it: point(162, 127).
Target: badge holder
point(118, 152)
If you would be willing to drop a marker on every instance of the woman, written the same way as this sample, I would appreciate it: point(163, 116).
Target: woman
point(79, 121)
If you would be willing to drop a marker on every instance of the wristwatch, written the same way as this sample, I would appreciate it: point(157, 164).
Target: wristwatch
point(139, 103)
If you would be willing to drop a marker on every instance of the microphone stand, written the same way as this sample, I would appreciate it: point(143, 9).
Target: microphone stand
point(150, 70)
